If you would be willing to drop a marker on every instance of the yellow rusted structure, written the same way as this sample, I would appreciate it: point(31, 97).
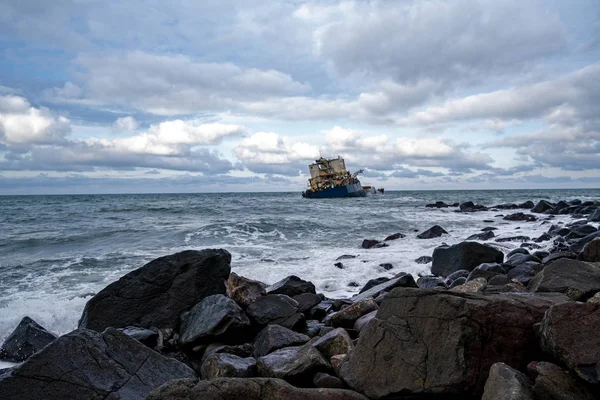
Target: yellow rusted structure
point(329, 173)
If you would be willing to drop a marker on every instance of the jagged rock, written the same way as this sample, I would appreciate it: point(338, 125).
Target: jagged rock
point(474, 286)
point(465, 255)
point(386, 266)
point(291, 286)
point(306, 301)
point(569, 332)
point(337, 361)
point(339, 265)
point(489, 228)
point(394, 236)
point(240, 350)
point(156, 294)
point(292, 363)
point(591, 251)
point(374, 282)
point(552, 383)
point(527, 204)
point(323, 380)
point(525, 271)
point(423, 260)
point(88, 365)
point(543, 238)
point(578, 232)
point(214, 316)
point(429, 282)
point(333, 343)
point(542, 206)
point(519, 238)
point(405, 336)
point(487, 235)
point(369, 243)
point(561, 205)
point(577, 279)
point(223, 365)
point(244, 291)
point(577, 246)
point(148, 337)
point(498, 280)
point(28, 338)
point(520, 217)
point(506, 383)
point(541, 254)
point(272, 309)
point(556, 256)
point(468, 206)
point(321, 310)
point(595, 298)
point(401, 280)
point(433, 232)
point(595, 216)
point(345, 257)
point(364, 320)
point(246, 389)
point(313, 327)
point(437, 204)
point(346, 317)
point(275, 337)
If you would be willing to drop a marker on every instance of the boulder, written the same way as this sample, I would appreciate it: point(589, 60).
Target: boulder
point(577, 246)
point(223, 365)
point(465, 255)
point(474, 286)
point(275, 337)
point(561, 205)
point(498, 280)
point(306, 301)
point(321, 310)
point(401, 280)
point(519, 238)
point(394, 236)
point(369, 243)
point(291, 286)
point(437, 204)
point(313, 327)
point(423, 260)
point(293, 364)
point(542, 238)
point(345, 257)
point(520, 217)
point(542, 206)
point(489, 228)
point(525, 271)
point(337, 361)
point(246, 389)
point(149, 337)
point(156, 294)
point(518, 250)
point(406, 335)
point(323, 380)
point(346, 317)
point(555, 256)
point(487, 235)
point(244, 291)
point(363, 321)
point(552, 382)
point(240, 350)
point(213, 317)
point(580, 231)
point(339, 265)
point(28, 338)
point(433, 232)
point(517, 259)
point(461, 273)
point(577, 279)
point(569, 333)
point(386, 266)
point(591, 251)
point(506, 383)
point(88, 365)
point(595, 216)
point(333, 343)
point(374, 282)
point(272, 309)
point(429, 282)
point(458, 281)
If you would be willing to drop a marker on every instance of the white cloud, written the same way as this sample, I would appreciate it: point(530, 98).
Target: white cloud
point(271, 148)
point(125, 124)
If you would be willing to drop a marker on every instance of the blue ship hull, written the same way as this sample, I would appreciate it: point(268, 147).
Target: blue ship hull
point(353, 190)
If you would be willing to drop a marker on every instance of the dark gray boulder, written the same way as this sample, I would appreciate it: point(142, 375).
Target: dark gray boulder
point(520, 217)
point(518, 250)
point(561, 205)
point(461, 273)
point(291, 286)
point(395, 236)
point(577, 246)
point(276, 309)
point(149, 337)
point(275, 337)
point(506, 383)
point(401, 280)
point(519, 238)
point(373, 282)
point(333, 343)
point(569, 333)
point(88, 365)
point(555, 256)
point(156, 294)
point(433, 232)
point(591, 251)
point(580, 231)
point(423, 260)
point(458, 282)
point(223, 365)
point(487, 235)
point(28, 338)
point(478, 331)
point(306, 301)
point(524, 272)
point(465, 255)
point(346, 317)
point(370, 243)
point(488, 229)
point(360, 323)
point(246, 389)
point(577, 279)
point(595, 216)
point(542, 206)
point(293, 364)
point(518, 259)
point(430, 282)
point(552, 383)
point(323, 380)
point(313, 327)
point(241, 350)
point(214, 317)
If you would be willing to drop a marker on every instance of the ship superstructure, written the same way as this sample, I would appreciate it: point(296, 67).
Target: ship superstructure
point(329, 178)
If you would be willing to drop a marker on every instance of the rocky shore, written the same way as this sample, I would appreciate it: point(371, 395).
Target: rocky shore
point(484, 325)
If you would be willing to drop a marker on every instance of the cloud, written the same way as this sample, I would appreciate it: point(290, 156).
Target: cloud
point(125, 124)
point(20, 123)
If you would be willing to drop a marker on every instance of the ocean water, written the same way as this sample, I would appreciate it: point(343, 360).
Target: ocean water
point(57, 251)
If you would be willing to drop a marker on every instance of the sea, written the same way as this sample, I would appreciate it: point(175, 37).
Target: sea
point(57, 251)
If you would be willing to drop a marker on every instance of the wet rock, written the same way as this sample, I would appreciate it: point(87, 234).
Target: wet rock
point(458, 282)
point(353, 284)
point(306, 301)
point(275, 337)
point(323, 380)
point(577, 246)
point(474, 286)
point(498, 280)
point(487, 235)
point(510, 287)
point(223, 365)
point(321, 310)
point(542, 206)
point(429, 282)
point(577, 279)
point(561, 205)
point(465, 255)
point(333, 343)
point(28, 338)
point(337, 361)
point(213, 317)
point(552, 382)
point(244, 291)
point(240, 350)
point(461, 273)
point(469, 206)
point(246, 389)
point(424, 260)
point(292, 363)
point(524, 272)
point(395, 236)
point(386, 266)
point(569, 332)
point(313, 327)
point(405, 336)
point(520, 217)
point(520, 238)
point(346, 317)
point(506, 383)
point(543, 238)
point(345, 257)
point(518, 259)
point(519, 250)
point(401, 280)
point(291, 286)
point(364, 320)
point(156, 294)
point(433, 232)
point(272, 309)
point(437, 204)
point(85, 364)
point(489, 228)
point(581, 231)
point(591, 251)
point(556, 256)
point(369, 243)
point(594, 216)
point(339, 265)
point(148, 337)
point(541, 254)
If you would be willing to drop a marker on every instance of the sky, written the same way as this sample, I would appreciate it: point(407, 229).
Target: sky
point(227, 96)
